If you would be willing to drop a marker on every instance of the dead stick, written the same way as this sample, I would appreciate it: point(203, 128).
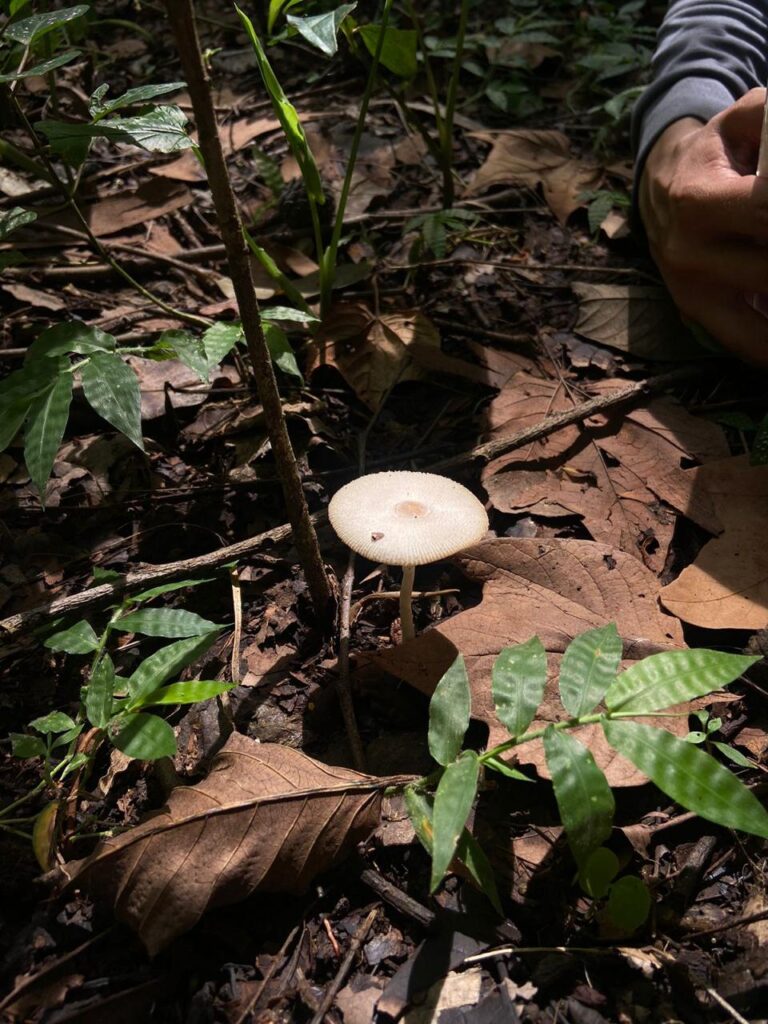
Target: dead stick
point(182, 18)
point(343, 687)
point(343, 971)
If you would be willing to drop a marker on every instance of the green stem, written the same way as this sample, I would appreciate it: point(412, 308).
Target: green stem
point(17, 156)
point(450, 108)
point(536, 734)
point(328, 261)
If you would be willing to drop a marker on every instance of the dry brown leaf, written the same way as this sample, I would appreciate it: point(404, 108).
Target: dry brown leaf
point(173, 382)
point(553, 589)
point(639, 319)
point(233, 138)
point(34, 297)
point(539, 157)
point(612, 474)
point(267, 817)
point(372, 353)
point(727, 585)
point(153, 199)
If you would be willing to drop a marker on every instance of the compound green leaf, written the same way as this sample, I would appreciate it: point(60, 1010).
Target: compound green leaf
point(112, 389)
point(72, 336)
point(320, 30)
point(673, 677)
point(449, 713)
point(78, 639)
point(588, 668)
point(144, 737)
point(584, 798)
point(519, 676)
point(167, 622)
point(689, 776)
point(98, 108)
point(29, 30)
point(167, 662)
point(45, 425)
point(99, 692)
point(42, 68)
point(454, 797)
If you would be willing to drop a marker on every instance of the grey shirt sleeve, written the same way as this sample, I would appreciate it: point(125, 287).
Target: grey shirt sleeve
point(709, 53)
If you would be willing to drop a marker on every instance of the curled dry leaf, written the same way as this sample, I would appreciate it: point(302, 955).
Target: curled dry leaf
point(267, 817)
point(726, 587)
point(539, 157)
point(553, 589)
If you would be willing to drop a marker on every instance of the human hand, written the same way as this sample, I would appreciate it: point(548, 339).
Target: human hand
point(706, 216)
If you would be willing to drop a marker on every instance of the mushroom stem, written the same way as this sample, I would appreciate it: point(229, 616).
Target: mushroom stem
point(406, 604)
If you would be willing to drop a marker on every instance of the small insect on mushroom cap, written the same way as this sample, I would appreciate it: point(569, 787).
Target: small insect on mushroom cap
point(404, 518)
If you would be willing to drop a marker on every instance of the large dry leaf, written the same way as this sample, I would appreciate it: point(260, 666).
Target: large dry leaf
point(727, 585)
point(539, 157)
point(372, 353)
point(553, 589)
point(639, 319)
point(233, 137)
point(613, 473)
point(266, 817)
point(107, 216)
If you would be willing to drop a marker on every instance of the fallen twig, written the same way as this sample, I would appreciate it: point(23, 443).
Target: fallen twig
point(343, 971)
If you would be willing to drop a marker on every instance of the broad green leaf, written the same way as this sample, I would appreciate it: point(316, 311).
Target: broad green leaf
point(629, 903)
point(398, 52)
point(161, 130)
point(99, 692)
point(145, 737)
point(167, 588)
point(219, 340)
point(72, 336)
point(320, 29)
point(26, 746)
point(280, 350)
point(689, 776)
point(42, 68)
point(287, 115)
point(167, 622)
point(13, 412)
point(420, 807)
point(31, 380)
point(53, 722)
point(167, 662)
point(112, 389)
point(29, 30)
point(472, 856)
point(497, 765)
point(454, 797)
point(584, 798)
point(733, 755)
point(588, 668)
point(101, 575)
point(65, 738)
point(187, 693)
point(78, 639)
point(185, 346)
point(275, 7)
point(673, 677)
point(449, 713)
point(45, 425)
point(14, 218)
point(98, 108)
point(519, 676)
point(299, 316)
point(598, 871)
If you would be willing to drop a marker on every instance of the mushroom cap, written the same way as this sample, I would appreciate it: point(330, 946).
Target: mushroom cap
point(404, 518)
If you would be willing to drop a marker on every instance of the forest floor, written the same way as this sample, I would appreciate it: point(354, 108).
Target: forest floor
point(448, 330)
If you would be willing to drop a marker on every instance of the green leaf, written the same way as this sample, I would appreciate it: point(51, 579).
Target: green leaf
point(29, 30)
point(271, 268)
point(45, 425)
point(287, 115)
point(584, 798)
point(503, 768)
point(65, 738)
point(185, 346)
point(420, 807)
point(13, 219)
point(99, 692)
point(398, 52)
point(219, 340)
point(145, 737)
point(26, 746)
point(689, 776)
point(167, 622)
point(588, 668)
point(629, 903)
point(78, 639)
point(167, 662)
point(71, 336)
point(320, 29)
point(449, 713)
point(299, 316)
point(673, 677)
point(13, 412)
point(161, 130)
point(280, 350)
point(42, 68)
point(97, 108)
point(189, 692)
point(598, 871)
point(472, 856)
point(112, 389)
point(733, 755)
point(275, 7)
point(101, 575)
point(454, 797)
point(54, 722)
point(519, 676)
point(167, 588)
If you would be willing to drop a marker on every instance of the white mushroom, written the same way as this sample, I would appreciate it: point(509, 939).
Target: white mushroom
point(407, 519)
